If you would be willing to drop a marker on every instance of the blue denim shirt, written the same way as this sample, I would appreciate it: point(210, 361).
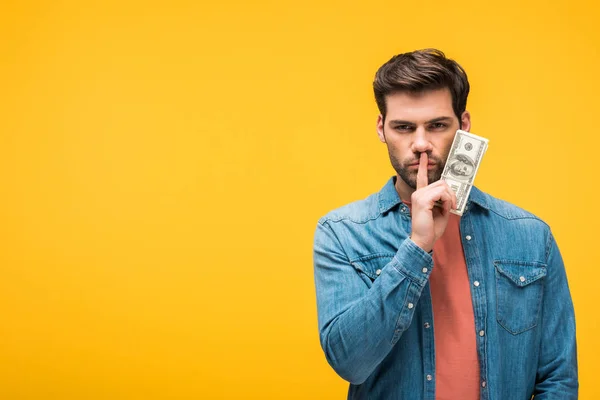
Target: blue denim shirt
point(374, 303)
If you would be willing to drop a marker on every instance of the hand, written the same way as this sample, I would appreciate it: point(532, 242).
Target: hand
point(428, 220)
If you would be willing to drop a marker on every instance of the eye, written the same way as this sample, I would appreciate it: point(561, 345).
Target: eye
point(403, 128)
point(438, 126)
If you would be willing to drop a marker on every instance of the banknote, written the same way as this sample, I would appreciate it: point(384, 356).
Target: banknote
point(462, 164)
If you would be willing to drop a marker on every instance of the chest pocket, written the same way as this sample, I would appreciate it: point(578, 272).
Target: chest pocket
point(371, 266)
point(519, 293)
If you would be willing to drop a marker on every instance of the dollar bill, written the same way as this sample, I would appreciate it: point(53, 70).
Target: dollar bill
point(462, 164)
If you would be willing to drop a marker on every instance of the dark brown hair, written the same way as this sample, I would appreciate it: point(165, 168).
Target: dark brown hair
point(419, 71)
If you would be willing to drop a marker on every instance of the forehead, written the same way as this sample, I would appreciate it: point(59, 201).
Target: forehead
point(419, 106)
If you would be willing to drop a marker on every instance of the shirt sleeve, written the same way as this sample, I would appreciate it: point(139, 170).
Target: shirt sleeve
point(358, 325)
point(557, 367)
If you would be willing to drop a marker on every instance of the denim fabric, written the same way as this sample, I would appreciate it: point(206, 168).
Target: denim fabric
point(374, 304)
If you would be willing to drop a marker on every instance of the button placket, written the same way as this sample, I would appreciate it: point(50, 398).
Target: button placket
point(475, 272)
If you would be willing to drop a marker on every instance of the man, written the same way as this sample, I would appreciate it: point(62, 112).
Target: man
point(417, 303)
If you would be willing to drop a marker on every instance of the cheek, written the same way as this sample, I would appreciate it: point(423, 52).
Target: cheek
point(400, 152)
point(445, 152)
point(444, 148)
point(398, 143)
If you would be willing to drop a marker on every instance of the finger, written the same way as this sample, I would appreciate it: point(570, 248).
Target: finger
point(422, 180)
point(448, 198)
point(453, 199)
point(444, 204)
point(441, 193)
point(446, 207)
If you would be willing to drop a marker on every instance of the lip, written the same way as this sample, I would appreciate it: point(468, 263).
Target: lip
point(429, 166)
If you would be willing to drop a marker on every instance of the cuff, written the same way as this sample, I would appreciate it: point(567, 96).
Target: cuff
point(414, 262)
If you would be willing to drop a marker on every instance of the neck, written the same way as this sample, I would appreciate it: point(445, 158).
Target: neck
point(404, 191)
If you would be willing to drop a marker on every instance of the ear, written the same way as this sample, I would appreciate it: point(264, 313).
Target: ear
point(380, 128)
point(466, 121)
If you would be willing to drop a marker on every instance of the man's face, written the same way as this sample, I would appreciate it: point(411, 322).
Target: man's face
point(416, 123)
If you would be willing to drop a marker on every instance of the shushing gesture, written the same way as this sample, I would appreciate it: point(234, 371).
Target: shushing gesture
point(429, 221)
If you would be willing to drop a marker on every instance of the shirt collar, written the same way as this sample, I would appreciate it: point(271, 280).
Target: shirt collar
point(478, 197)
point(388, 197)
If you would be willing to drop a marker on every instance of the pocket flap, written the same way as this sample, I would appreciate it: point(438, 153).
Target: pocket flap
point(372, 263)
point(521, 273)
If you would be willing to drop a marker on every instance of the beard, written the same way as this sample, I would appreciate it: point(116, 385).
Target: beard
point(409, 176)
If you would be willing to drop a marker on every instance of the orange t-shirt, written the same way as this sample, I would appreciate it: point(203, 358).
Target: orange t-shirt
point(456, 362)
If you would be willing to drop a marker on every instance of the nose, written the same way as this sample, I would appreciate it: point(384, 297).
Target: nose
point(421, 142)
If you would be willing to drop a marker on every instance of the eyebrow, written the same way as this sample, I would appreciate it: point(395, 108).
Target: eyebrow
point(431, 121)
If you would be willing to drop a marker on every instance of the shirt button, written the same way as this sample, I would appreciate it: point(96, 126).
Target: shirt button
point(429, 377)
point(426, 325)
point(483, 384)
point(425, 270)
point(378, 272)
point(522, 279)
point(481, 333)
point(410, 305)
point(476, 283)
point(468, 237)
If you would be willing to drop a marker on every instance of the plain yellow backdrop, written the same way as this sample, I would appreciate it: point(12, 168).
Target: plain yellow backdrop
point(163, 166)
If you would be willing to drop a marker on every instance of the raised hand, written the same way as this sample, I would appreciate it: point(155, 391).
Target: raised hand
point(428, 220)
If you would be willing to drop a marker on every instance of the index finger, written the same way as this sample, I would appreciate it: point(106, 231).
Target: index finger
point(422, 180)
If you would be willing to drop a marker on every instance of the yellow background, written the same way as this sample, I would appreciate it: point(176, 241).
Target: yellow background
point(163, 166)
